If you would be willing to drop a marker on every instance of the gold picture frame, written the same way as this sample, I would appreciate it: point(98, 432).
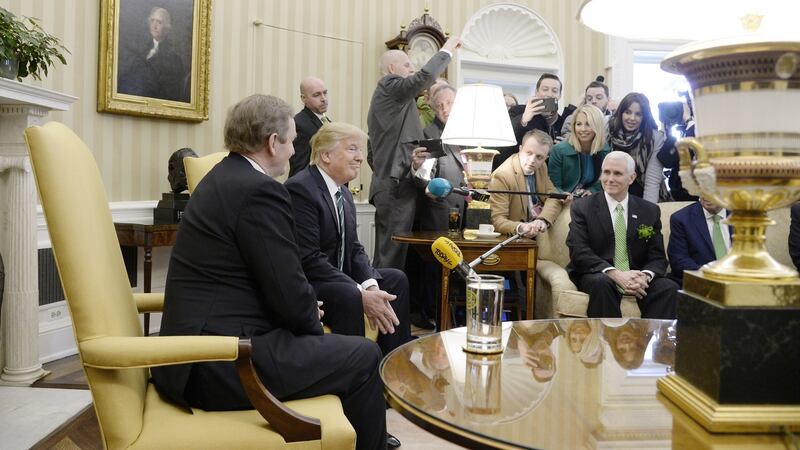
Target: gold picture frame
point(155, 58)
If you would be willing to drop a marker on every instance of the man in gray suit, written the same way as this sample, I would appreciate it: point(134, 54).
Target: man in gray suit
point(450, 166)
point(393, 124)
point(432, 213)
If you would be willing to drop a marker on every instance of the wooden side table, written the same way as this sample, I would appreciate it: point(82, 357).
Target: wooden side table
point(147, 236)
point(520, 255)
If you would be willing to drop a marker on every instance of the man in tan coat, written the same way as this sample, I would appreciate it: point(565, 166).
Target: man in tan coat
point(525, 171)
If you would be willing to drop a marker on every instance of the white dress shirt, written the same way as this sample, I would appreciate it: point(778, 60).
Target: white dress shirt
point(612, 206)
point(333, 188)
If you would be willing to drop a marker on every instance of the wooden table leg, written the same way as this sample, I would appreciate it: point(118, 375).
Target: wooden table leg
point(148, 273)
point(530, 291)
point(529, 305)
point(444, 304)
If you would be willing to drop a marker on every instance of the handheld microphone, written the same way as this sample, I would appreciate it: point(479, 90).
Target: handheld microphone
point(449, 255)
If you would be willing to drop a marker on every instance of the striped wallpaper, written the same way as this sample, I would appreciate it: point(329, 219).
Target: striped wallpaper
point(132, 151)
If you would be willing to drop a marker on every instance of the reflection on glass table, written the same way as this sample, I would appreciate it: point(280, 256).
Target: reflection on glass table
point(559, 384)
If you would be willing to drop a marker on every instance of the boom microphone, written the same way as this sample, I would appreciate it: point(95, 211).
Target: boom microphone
point(441, 188)
point(449, 255)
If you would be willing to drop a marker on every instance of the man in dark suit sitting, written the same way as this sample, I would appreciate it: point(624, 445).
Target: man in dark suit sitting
point(697, 237)
point(334, 259)
point(314, 96)
point(616, 247)
point(235, 271)
point(794, 235)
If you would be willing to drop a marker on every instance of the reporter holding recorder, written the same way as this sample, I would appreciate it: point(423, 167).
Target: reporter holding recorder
point(525, 171)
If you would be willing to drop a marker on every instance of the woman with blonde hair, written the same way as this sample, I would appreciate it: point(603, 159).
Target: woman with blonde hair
point(575, 163)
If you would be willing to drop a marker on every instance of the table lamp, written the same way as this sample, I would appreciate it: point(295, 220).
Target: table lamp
point(478, 118)
point(736, 332)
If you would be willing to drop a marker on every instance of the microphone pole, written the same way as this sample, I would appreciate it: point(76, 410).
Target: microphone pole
point(538, 194)
point(493, 250)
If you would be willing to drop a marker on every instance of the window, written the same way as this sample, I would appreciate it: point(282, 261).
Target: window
point(659, 86)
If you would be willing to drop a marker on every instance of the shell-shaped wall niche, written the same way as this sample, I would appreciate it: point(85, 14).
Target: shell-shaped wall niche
point(504, 31)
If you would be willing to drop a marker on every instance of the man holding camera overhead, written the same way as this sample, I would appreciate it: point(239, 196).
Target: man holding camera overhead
point(540, 112)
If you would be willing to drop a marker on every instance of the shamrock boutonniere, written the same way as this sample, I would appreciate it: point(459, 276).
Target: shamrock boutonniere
point(645, 232)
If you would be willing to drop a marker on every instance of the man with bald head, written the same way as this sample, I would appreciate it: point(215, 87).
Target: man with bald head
point(314, 96)
point(393, 124)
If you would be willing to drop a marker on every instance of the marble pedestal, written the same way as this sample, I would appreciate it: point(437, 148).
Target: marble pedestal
point(739, 355)
point(737, 361)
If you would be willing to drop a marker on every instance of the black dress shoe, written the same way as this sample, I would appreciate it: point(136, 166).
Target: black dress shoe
point(392, 442)
point(423, 324)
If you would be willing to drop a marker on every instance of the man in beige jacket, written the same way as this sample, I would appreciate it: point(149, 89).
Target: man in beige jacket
point(525, 171)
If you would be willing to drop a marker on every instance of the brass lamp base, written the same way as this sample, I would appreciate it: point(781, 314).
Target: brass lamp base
point(719, 418)
point(749, 259)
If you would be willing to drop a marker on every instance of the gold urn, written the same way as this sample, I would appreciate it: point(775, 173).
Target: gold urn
point(746, 156)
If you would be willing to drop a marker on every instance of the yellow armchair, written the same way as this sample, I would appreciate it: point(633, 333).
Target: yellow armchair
point(116, 357)
point(197, 168)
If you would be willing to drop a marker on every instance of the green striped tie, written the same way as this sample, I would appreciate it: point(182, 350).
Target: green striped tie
point(620, 240)
point(340, 212)
point(716, 237)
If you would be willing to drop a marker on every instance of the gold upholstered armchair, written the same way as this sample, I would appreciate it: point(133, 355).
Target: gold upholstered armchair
point(116, 357)
point(197, 167)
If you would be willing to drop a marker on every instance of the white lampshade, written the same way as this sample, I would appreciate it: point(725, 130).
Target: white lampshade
point(479, 117)
point(689, 20)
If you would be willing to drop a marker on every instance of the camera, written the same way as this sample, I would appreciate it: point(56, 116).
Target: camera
point(670, 113)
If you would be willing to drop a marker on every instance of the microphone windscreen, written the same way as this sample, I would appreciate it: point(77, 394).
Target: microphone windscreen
point(447, 252)
point(439, 187)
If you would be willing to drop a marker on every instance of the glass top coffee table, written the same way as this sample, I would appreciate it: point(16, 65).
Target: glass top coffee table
point(559, 384)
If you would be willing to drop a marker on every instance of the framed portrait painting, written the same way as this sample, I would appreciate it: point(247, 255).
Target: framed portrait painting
point(155, 58)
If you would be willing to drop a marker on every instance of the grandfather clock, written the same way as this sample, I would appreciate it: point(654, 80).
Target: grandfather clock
point(421, 39)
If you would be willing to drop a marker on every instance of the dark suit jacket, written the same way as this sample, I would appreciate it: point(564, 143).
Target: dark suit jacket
point(318, 235)
point(235, 271)
point(433, 216)
point(591, 236)
point(690, 244)
point(162, 76)
point(306, 124)
point(794, 235)
point(393, 120)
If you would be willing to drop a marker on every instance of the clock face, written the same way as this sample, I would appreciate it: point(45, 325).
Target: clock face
point(420, 50)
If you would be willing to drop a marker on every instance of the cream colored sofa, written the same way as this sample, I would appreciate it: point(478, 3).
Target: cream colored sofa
point(557, 296)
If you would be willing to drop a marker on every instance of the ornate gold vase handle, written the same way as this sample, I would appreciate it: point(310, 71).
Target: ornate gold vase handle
point(698, 176)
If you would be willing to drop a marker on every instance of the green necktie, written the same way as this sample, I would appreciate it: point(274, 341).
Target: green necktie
point(620, 240)
point(340, 212)
point(717, 239)
point(325, 118)
point(530, 180)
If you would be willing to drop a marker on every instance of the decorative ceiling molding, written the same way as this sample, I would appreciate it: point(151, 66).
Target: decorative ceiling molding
point(506, 32)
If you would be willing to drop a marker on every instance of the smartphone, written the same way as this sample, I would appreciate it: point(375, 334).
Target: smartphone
point(433, 146)
point(550, 104)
